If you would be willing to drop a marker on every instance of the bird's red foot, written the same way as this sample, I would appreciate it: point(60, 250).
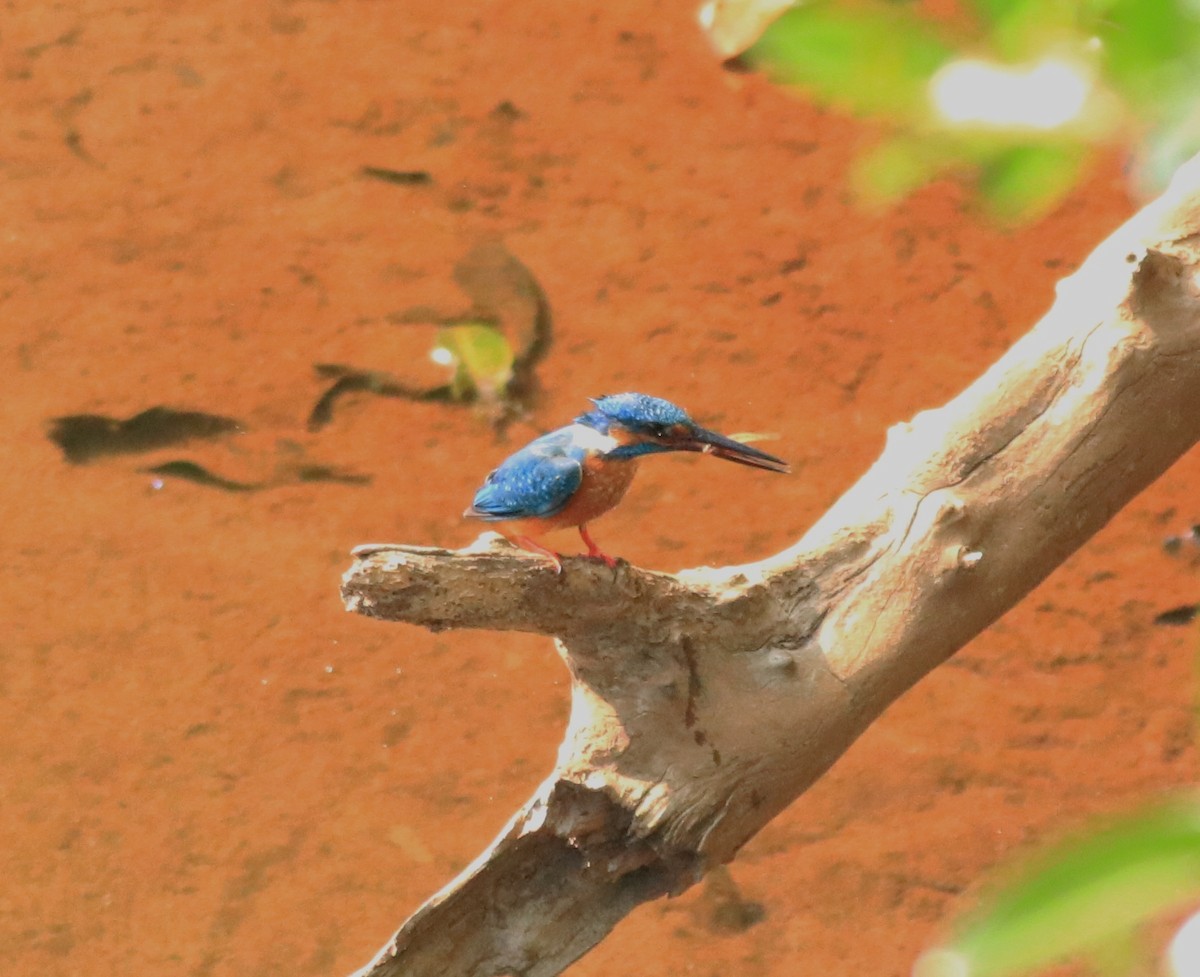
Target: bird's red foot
point(533, 546)
point(594, 551)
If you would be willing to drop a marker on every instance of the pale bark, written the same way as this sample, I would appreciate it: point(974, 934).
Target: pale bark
point(703, 703)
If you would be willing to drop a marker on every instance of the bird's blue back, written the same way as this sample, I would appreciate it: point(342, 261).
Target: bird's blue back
point(537, 481)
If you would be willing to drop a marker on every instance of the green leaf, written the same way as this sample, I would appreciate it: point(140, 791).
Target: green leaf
point(1151, 48)
point(1023, 29)
point(481, 357)
point(1026, 182)
point(1004, 14)
point(996, 10)
point(1088, 895)
point(870, 60)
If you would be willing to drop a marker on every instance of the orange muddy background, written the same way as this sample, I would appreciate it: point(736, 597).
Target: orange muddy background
point(208, 767)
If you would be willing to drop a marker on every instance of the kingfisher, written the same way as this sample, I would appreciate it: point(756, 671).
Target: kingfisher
point(572, 475)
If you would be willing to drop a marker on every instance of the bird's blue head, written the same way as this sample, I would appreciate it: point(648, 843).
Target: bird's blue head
point(649, 425)
point(640, 413)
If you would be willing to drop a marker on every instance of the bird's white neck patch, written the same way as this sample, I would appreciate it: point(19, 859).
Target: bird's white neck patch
point(590, 439)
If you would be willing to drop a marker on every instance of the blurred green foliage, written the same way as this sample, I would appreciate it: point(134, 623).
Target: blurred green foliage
point(480, 357)
point(1087, 898)
point(867, 60)
point(1078, 75)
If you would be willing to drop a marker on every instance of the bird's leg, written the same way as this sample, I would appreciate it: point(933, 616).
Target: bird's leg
point(533, 546)
point(593, 549)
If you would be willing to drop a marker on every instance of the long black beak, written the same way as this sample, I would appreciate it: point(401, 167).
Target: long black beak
point(719, 446)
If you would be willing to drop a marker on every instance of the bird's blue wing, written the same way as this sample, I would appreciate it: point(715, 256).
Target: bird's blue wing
point(537, 481)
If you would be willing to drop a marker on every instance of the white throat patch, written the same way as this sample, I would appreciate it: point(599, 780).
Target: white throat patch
point(590, 439)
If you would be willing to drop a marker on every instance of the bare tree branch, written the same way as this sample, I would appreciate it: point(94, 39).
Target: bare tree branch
point(703, 703)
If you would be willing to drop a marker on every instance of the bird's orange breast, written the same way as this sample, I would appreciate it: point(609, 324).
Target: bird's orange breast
point(604, 484)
